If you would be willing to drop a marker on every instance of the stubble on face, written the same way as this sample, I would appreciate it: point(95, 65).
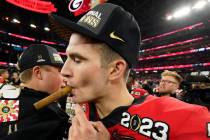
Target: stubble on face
point(89, 76)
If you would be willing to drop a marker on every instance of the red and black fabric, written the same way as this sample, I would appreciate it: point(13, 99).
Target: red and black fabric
point(157, 118)
point(137, 92)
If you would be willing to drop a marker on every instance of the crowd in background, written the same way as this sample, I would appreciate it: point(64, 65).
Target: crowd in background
point(9, 76)
point(191, 89)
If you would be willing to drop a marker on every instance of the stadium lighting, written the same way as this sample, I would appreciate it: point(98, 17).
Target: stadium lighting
point(15, 21)
point(199, 4)
point(46, 29)
point(169, 17)
point(7, 18)
point(32, 26)
point(182, 12)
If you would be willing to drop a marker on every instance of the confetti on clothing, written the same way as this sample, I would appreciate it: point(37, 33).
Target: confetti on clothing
point(9, 110)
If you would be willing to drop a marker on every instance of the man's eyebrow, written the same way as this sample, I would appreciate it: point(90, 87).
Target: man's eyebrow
point(76, 55)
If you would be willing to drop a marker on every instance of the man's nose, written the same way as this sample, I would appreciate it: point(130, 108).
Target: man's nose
point(66, 70)
point(64, 83)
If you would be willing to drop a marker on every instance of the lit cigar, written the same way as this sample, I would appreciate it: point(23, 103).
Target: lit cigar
point(52, 97)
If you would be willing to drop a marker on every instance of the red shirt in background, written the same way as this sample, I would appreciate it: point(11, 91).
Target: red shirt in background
point(136, 92)
point(2, 80)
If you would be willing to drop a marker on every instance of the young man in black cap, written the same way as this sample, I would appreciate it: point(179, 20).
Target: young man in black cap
point(103, 45)
point(40, 67)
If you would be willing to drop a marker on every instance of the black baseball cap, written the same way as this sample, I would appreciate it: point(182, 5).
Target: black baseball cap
point(37, 55)
point(108, 23)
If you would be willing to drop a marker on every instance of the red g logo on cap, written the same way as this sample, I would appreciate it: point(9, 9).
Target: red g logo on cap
point(75, 5)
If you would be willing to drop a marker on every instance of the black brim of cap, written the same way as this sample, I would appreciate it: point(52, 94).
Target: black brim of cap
point(57, 65)
point(64, 28)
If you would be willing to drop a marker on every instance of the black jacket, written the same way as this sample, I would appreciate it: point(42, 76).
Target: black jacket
point(49, 123)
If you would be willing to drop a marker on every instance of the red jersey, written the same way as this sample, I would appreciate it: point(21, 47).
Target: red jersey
point(136, 92)
point(2, 79)
point(157, 118)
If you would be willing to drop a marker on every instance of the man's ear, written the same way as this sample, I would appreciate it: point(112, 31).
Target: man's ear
point(37, 72)
point(117, 69)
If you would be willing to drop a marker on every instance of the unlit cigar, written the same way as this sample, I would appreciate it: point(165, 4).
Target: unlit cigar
point(52, 97)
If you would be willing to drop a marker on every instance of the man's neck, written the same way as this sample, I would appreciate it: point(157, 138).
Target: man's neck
point(116, 99)
point(31, 85)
